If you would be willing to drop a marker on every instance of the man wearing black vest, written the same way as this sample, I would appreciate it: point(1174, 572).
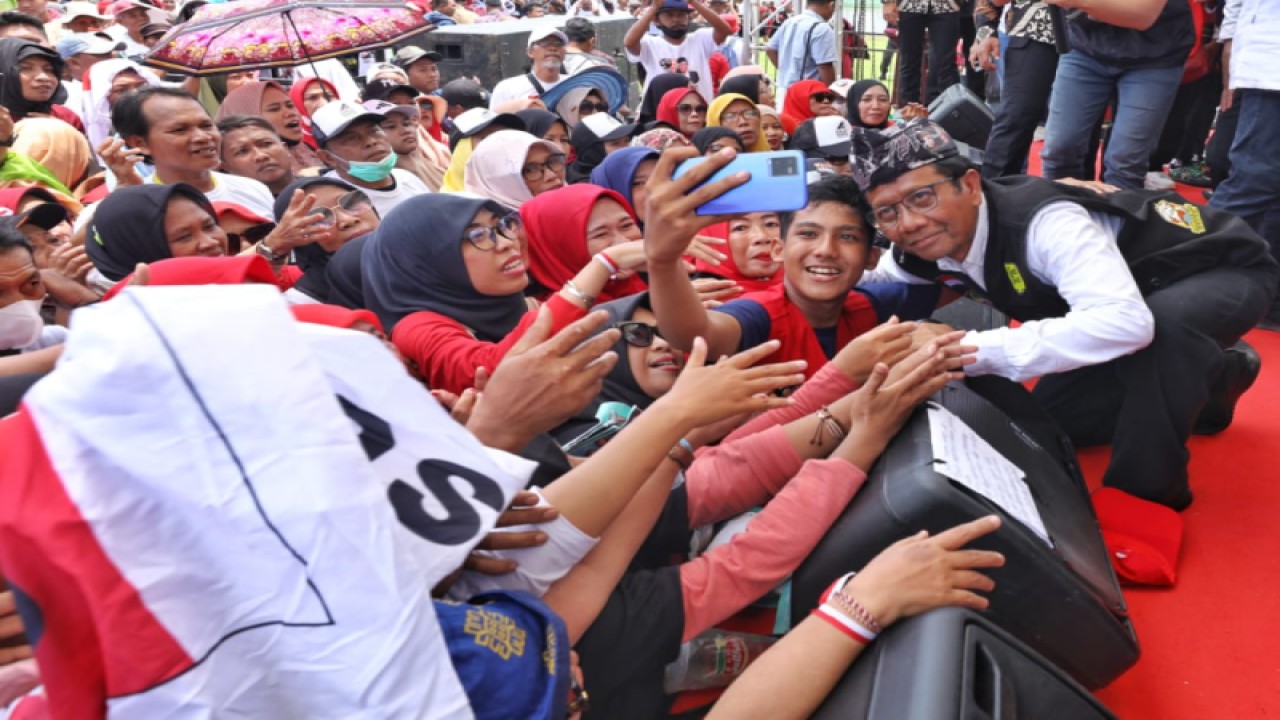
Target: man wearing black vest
point(1130, 303)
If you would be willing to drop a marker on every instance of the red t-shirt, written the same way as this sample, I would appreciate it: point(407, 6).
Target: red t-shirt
point(447, 354)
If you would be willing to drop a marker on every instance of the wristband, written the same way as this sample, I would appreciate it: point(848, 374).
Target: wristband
point(826, 424)
point(681, 454)
point(853, 630)
point(573, 290)
point(608, 263)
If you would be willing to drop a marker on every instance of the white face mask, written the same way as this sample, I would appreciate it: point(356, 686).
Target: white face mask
point(20, 324)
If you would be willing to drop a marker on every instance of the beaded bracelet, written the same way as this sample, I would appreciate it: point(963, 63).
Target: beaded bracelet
point(826, 424)
point(847, 603)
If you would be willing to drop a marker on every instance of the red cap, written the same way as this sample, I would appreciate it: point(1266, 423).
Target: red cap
point(198, 270)
point(333, 316)
point(226, 208)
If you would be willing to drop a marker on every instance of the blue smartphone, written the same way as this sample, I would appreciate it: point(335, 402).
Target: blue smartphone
point(777, 184)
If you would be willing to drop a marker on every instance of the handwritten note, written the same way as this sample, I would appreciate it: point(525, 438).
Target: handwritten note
point(962, 455)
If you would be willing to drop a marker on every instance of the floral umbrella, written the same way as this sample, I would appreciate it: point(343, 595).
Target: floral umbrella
point(250, 34)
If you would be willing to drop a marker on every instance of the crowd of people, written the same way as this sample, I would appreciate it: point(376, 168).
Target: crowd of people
point(531, 257)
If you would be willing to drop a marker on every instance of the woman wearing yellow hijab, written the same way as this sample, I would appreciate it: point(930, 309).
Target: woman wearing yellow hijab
point(739, 114)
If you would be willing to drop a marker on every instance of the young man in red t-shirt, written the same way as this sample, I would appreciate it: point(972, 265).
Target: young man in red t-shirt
point(815, 310)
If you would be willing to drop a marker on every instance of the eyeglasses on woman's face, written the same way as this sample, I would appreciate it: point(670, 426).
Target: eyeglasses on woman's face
point(485, 238)
point(638, 334)
point(537, 170)
point(736, 115)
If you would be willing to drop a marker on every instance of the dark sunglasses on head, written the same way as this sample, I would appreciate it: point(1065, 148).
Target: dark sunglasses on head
point(638, 334)
point(241, 240)
point(589, 107)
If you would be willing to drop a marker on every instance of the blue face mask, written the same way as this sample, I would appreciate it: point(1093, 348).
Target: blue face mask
point(372, 171)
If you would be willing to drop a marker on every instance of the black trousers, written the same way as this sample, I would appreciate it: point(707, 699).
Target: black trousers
point(1146, 404)
point(944, 33)
point(1190, 119)
point(1029, 68)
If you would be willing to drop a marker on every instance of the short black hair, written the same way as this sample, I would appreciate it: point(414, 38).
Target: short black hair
point(840, 189)
point(437, 4)
point(127, 115)
point(9, 18)
point(232, 123)
point(579, 29)
point(240, 122)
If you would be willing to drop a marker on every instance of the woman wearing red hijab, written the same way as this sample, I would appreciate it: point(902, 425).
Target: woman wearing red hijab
point(570, 228)
point(683, 109)
point(806, 99)
point(308, 95)
point(754, 259)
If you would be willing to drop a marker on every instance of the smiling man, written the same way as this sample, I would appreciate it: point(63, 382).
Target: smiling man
point(815, 311)
point(177, 135)
point(1130, 303)
point(356, 149)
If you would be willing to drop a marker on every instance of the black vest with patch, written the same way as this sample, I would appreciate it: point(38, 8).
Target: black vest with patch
point(1164, 238)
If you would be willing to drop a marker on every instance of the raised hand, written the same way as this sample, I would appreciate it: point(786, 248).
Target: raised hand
point(921, 573)
point(704, 394)
point(298, 226)
point(714, 291)
point(121, 160)
point(70, 261)
point(543, 380)
point(523, 510)
point(886, 343)
point(671, 220)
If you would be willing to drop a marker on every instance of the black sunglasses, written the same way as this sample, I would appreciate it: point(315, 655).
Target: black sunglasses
point(824, 97)
point(638, 334)
point(238, 241)
point(588, 107)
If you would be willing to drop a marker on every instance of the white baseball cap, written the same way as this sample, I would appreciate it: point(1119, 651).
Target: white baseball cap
point(333, 119)
point(545, 31)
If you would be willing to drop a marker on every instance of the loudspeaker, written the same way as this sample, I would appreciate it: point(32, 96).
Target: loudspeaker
point(955, 664)
point(494, 51)
point(1060, 597)
point(964, 115)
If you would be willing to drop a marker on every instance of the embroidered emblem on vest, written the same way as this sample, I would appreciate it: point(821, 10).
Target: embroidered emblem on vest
point(1184, 215)
point(1015, 278)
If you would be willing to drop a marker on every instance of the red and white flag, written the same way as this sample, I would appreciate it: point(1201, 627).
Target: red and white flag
point(206, 515)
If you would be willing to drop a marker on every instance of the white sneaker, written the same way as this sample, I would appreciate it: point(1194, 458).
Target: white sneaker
point(1158, 181)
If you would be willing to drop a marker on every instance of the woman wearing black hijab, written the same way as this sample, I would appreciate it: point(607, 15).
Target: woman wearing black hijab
point(547, 125)
point(452, 299)
point(342, 274)
point(351, 215)
point(146, 223)
point(31, 83)
point(710, 139)
point(747, 85)
point(868, 105)
point(658, 87)
point(646, 369)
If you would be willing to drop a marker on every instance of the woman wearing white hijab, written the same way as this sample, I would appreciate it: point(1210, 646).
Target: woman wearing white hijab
point(512, 166)
point(97, 107)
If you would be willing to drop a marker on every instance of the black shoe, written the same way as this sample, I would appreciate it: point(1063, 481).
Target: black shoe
point(1238, 373)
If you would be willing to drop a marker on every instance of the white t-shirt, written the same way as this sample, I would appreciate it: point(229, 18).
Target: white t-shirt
point(407, 185)
point(243, 191)
point(696, 49)
point(517, 88)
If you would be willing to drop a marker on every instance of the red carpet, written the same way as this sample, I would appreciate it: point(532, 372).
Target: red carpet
point(1211, 644)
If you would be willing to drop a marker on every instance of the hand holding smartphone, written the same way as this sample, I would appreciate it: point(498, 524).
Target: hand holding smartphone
point(777, 183)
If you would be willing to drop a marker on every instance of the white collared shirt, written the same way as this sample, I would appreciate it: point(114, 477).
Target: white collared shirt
point(1074, 251)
